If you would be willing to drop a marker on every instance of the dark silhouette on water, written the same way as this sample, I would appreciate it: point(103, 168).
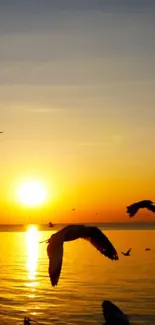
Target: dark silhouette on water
point(147, 249)
point(133, 208)
point(113, 315)
point(50, 224)
point(27, 321)
point(73, 232)
point(127, 253)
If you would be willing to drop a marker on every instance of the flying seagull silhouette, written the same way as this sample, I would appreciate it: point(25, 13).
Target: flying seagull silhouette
point(147, 249)
point(73, 232)
point(127, 253)
point(113, 315)
point(133, 208)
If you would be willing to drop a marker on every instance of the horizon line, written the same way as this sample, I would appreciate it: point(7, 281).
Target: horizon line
point(70, 223)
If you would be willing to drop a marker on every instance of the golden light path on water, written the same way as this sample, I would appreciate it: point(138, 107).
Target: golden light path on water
point(32, 240)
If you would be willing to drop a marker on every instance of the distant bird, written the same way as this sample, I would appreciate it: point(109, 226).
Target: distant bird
point(73, 209)
point(50, 224)
point(147, 249)
point(127, 253)
point(1, 132)
point(133, 208)
point(73, 232)
point(113, 315)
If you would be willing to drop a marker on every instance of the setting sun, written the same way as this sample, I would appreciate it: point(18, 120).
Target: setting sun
point(32, 193)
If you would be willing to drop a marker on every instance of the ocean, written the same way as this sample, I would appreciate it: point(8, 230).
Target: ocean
point(87, 278)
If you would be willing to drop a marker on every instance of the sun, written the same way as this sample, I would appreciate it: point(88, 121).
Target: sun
point(32, 193)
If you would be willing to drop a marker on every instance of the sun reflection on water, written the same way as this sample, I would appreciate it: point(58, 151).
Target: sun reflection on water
point(32, 239)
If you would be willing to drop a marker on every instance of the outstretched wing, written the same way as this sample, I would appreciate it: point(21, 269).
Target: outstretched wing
point(133, 208)
point(100, 242)
point(55, 254)
point(128, 251)
point(151, 207)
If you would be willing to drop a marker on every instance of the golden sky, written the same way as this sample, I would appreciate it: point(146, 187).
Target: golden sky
point(77, 107)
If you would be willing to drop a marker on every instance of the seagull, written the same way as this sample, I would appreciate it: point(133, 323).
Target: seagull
point(147, 249)
point(1, 132)
point(73, 232)
point(133, 208)
point(127, 253)
point(113, 315)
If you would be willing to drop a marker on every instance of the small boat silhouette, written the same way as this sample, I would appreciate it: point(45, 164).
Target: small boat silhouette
point(50, 224)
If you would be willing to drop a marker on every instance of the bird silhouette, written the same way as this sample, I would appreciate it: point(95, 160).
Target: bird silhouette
point(127, 253)
point(147, 249)
point(1, 132)
point(113, 315)
point(73, 232)
point(133, 208)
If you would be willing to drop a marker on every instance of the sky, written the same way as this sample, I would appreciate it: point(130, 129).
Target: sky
point(77, 107)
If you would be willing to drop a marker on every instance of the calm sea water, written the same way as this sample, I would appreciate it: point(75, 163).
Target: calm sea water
point(86, 279)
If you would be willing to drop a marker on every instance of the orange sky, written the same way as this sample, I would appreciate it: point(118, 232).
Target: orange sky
point(77, 110)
